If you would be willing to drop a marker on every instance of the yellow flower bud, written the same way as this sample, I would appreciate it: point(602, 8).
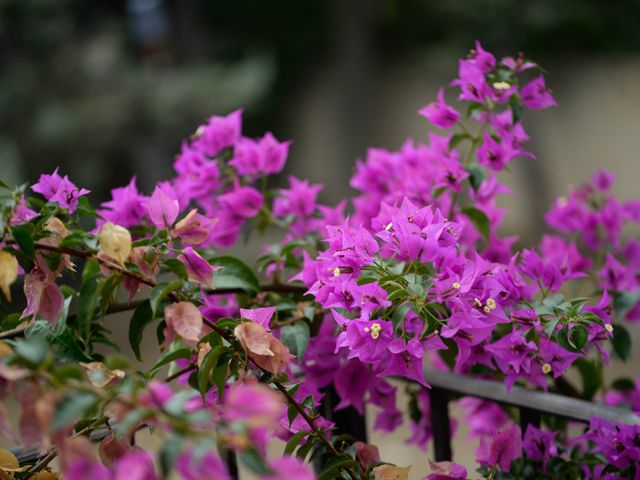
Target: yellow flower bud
point(115, 242)
point(8, 272)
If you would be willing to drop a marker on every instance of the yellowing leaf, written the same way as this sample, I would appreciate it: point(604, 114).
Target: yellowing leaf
point(8, 461)
point(115, 242)
point(391, 472)
point(263, 348)
point(185, 319)
point(5, 349)
point(100, 376)
point(8, 272)
point(203, 349)
point(46, 475)
point(55, 226)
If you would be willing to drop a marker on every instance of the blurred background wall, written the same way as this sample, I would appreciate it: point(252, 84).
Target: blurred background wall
point(106, 90)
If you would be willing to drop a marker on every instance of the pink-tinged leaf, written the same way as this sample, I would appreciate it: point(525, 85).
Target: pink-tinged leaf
point(391, 472)
point(44, 298)
point(185, 319)
point(113, 447)
point(31, 431)
point(254, 339)
point(366, 454)
point(263, 348)
point(262, 316)
point(198, 269)
point(163, 208)
point(194, 228)
point(6, 429)
point(51, 303)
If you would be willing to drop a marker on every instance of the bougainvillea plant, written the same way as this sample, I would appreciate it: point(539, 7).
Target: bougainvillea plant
point(361, 296)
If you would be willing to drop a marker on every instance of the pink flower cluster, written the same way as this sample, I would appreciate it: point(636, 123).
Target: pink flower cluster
point(228, 196)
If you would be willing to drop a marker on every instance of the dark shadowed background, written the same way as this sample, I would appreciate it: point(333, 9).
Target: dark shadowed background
point(106, 90)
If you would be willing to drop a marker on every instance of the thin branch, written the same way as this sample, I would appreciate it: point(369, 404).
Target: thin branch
point(111, 309)
point(104, 261)
point(321, 436)
point(180, 372)
point(274, 287)
point(14, 332)
point(42, 464)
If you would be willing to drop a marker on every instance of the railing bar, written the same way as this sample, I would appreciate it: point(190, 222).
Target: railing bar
point(528, 417)
point(347, 420)
point(440, 424)
point(232, 464)
point(549, 403)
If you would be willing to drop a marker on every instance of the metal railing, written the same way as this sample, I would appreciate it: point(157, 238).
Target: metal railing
point(530, 404)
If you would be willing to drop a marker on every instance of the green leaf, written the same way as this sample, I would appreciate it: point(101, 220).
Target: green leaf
point(292, 413)
point(212, 338)
point(172, 356)
point(176, 405)
point(178, 268)
point(24, 240)
point(61, 339)
point(330, 470)
point(68, 371)
point(91, 269)
point(169, 452)
point(623, 384)
point(449, 355)
point(477, 175)
point(75, 239)
point(624, 301)
point(479, 220)
point(208, 364)
point(621, 342)
point(253, 461)
point(227, 322)
point(160, 291)
point(303, 451)
point(293, 442)
point(591, 377)
point(563, 340)
point(141, 318)
point(33, 350)
point(85, 209)
point(457, 138)
point(117, 361)
point(131, 420)
point(578, 336)
point(87, 301)
point(219, 377)
point(234, 274)
point(73, 405)
point(296, 338)
point(11, 321)
point(551, 325)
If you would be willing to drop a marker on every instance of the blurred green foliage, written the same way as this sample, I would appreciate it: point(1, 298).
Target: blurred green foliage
point(80, 88)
